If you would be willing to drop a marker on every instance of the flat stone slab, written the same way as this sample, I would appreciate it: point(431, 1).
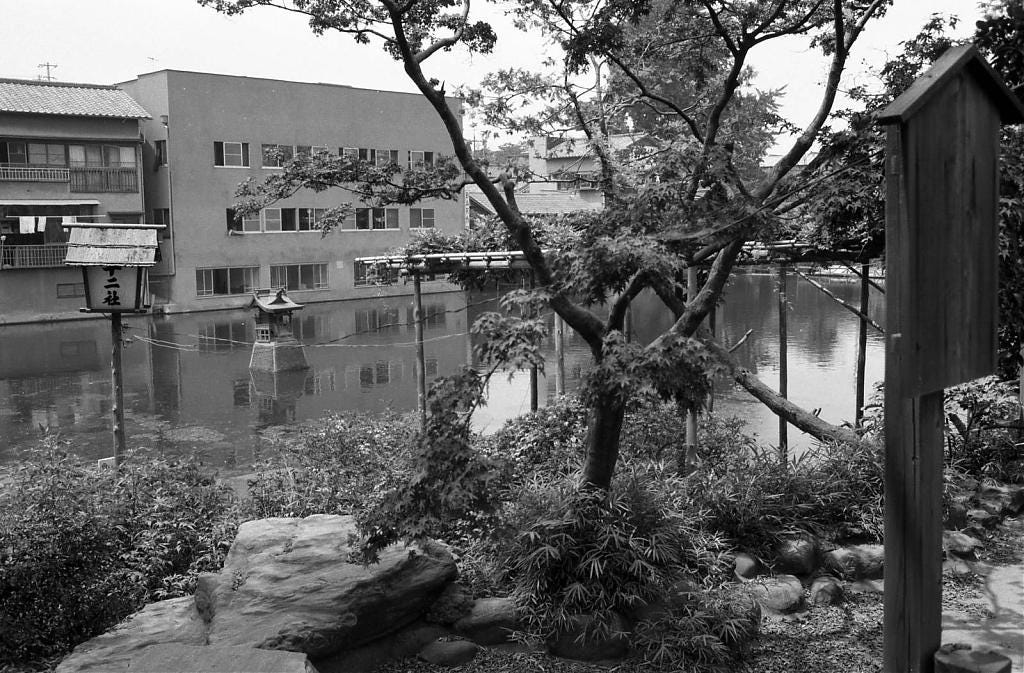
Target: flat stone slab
point(168, 658)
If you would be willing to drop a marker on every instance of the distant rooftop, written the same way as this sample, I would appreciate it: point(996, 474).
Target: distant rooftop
point(68, 99)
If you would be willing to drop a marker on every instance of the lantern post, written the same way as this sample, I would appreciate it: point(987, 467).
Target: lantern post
point(115, 260)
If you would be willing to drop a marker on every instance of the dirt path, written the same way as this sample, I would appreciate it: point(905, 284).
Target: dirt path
point(992, 617)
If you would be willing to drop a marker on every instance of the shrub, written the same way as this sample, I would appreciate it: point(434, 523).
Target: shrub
point(976, 441)
point(584, 551)
point(80, 549)
point(341, 464)
point(60, 579)
point(833, 491)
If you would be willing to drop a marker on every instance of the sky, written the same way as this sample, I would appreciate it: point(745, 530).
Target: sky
point(110, 41)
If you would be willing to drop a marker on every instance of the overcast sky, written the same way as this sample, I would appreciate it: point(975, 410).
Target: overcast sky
point(109, 41)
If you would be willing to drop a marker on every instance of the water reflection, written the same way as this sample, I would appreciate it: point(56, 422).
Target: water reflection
point(188, 387)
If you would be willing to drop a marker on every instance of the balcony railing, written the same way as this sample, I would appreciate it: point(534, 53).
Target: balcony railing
point(42, 256)
point(104, 180)
point(31, 174)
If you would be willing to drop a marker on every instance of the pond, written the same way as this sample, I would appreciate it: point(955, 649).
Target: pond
point(188, 388)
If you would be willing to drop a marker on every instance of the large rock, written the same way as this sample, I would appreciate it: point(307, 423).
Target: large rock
point(861, 561)
point(826, 590)
point(779, 594)
point(449, 653)
point(286, 584)
point(169, 658)
point(171, 621)
point(796, 556)
point(746, 567)
point(963, 659)
point(491, 621)
point(370, 657)
point(960, 544)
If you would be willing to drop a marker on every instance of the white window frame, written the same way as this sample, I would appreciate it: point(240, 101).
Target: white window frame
point(317, 274)
point(206, 287)
point(425, 214)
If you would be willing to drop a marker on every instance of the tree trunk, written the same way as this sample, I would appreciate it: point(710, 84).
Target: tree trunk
point(604, 430)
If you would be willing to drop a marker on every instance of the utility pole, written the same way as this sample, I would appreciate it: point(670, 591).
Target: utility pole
point(48, 77)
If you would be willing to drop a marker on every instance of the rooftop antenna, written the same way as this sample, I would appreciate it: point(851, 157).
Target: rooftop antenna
point(48, 77)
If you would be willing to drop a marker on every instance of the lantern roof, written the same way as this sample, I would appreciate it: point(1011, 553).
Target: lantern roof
point(112, 244)
point(271, 300)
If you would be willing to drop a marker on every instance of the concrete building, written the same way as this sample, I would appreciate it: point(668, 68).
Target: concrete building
point(66, 151)
point(210, 132)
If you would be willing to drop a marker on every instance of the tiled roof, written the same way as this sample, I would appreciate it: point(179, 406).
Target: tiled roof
point(553, 203)
point(61, 98)
point(536, 203)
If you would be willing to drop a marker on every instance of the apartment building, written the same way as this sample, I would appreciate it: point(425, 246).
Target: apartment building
point(210, 132)
point(66, 151)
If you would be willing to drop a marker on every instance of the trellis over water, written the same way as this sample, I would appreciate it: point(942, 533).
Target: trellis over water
point(783, 255)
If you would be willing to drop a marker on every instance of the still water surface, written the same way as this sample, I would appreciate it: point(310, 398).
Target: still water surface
point(188, 388)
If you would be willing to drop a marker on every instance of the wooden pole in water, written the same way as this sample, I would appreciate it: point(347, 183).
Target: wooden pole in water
point(691, 415)
point(862, 343)
point(421, 377)
point(783, 366)
point(117, 389)
point(559, 355)
point(534, 379)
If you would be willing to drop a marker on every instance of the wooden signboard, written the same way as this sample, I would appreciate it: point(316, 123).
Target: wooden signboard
point(941, 229)
point(942, 180)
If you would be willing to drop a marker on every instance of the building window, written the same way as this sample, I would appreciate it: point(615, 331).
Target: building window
point(418, 159)
point(421, 218)
point(349, 152)
point(13, 153)
point(276, 156)
point(251, 223)
point(367, 154)
point(68, 290)
point(376, 218)
point(309, 218)
point(299, 276)
point(272, 219)
point(374, 274)
point(230, 154)
point(46, 154)
point(226, 281)
point(160, 151)
point(163, 216)
point(387, 157)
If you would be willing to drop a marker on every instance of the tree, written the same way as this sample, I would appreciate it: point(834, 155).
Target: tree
point(849, 202)
point(693, 206)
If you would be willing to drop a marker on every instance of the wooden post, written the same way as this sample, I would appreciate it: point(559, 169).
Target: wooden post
point(534, 379)
point(627, 324)
point(783, 364)
point(941, 236)
point(691, 416)
point(117, 388)
point(712, 318)
point(421, 376)
point(913, 528)
point(559, 355)
point(862, 343)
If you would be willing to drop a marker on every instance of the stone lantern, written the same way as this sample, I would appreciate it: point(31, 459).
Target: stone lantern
point(276, 349)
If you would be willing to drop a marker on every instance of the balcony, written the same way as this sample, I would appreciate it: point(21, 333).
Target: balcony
point(43, 256)
point(32, 174)
point(104, 180)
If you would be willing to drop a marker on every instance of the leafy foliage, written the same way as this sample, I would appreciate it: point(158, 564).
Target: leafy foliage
point(80, 549)
point(587, 551)
point(339, 466)
point(978, 443)
point(832, 491)
point(448, 482)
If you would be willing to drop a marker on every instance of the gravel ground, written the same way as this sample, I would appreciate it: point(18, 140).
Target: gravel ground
point(844, 638)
